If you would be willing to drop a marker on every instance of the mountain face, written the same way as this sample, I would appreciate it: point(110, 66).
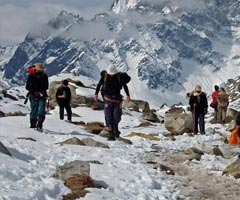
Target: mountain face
point(166, 46)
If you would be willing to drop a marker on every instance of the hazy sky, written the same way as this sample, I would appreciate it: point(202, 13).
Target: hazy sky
point(17, 17)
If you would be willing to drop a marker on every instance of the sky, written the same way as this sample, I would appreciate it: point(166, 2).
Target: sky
point(18, 17)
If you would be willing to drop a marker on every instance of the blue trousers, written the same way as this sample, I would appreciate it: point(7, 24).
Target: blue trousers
point(37, 108)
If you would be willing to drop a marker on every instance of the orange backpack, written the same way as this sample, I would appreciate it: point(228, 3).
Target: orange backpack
point(233, 139)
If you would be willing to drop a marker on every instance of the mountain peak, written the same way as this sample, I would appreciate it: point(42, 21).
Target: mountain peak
point(64, 19)
point(121, 6)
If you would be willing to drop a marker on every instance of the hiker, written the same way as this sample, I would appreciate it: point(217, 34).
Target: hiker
point(214, 103)
point(63, 97)
point(235, 135)
point(37, 85)
point(198, 105)
point(222, 101)
point(113, 82)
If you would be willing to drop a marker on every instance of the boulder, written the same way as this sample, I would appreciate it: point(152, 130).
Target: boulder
point(4, 150)
point(73, 141)
point(137, 105)
point(193, 153)
point(233, 169)
point(93, 143)
point(150, 116)
point(177, 121)
point(69, 169)
point(94, 127)
point(143, 135)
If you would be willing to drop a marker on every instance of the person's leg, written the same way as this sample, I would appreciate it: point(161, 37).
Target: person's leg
point(201, 123)
point(117, 118)
point(219, 115)
point(108, 111)
point(33, 113)
point(224, 113)
point(195, 122)
point(61, 112)
point(69, 112)
point(41, 112)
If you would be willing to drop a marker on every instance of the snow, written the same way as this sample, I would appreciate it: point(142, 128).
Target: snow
point(28, 174)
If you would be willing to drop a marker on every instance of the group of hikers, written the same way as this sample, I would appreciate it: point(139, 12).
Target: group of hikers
point(110, 86)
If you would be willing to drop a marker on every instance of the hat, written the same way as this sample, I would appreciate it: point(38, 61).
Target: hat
point(198, 87)
point(112, 70)
point(39, 67)
point(65, 82)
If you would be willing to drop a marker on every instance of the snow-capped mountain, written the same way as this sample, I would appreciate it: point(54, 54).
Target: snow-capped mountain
point(166, 46)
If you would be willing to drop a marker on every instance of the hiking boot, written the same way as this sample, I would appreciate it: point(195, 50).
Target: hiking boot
point(33, 123)
point(203, 133)
point(111, 136)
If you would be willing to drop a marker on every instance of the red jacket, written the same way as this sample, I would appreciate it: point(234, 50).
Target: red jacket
point(214, 95)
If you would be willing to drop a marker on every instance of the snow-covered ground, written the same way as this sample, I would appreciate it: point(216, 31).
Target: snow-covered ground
point(28, 174)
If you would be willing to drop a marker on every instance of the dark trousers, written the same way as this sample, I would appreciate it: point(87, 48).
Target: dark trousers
point(68, 109)
point(113, 113)
point(198, 120)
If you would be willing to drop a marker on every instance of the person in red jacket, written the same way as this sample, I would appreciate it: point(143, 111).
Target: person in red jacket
point(214, 101)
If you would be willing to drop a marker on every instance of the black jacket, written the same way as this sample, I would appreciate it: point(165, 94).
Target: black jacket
point(66, 92)
point(112, 85)
point(37, 83)
point(200, 101)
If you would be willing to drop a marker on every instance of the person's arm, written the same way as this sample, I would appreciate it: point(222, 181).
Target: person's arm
point(100, 83)
point(125, 87)
point(29, 84)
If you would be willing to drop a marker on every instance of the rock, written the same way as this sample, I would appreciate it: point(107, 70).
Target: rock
point(77, 184)
point(233, 169)
point(217, 151)
point(95, 127)
point(104, 133)
point(150, 116)
point(98, 106)
point(193, 150)
point(19, 113)
point(164, 168)
point(93, 143)
point(69, 169)
point(144, 124)
point(143, 135)
point(73, 140)
point(232, 113)
point(137, 105)
point(193, 153)
point(4, 149)
point(127, 141)
point(2, 114)
point(80, 123)
point(178, 122)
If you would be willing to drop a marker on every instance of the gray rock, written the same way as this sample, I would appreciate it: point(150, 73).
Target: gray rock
point(4, 150)
point(150, 116)
point(73, 140)
point(69, 169)
point(233, 169)
point(93, 143)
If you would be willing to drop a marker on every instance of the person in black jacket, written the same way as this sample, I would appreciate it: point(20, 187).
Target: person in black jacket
point(37, 85)
point(113, 82)
point(198, 104)
point(63, 96)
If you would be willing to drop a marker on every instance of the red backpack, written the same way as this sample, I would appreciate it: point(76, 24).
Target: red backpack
point(31, 69)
